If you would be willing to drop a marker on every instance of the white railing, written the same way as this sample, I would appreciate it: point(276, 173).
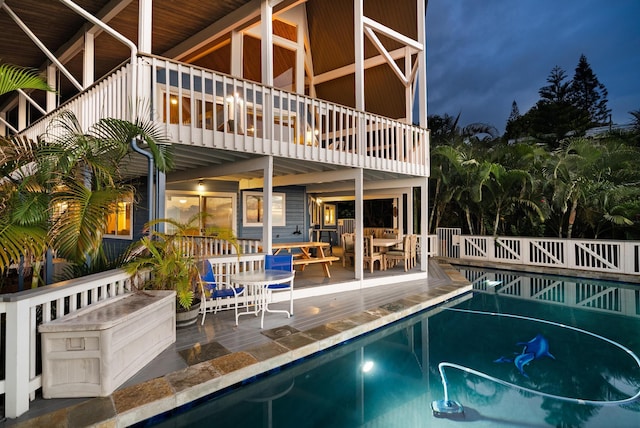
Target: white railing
point(26, 310)
point(206, 246)
point(621, 257)
point(199, 107)
point(204, 108)
point(448, 241)
point(575, 293)
point(110, 97)
point(432, 245)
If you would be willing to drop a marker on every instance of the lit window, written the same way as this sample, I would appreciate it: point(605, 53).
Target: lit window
point(119, 222)
point(253, 212)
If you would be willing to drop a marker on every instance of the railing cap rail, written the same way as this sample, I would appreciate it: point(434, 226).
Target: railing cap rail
point(111, 275)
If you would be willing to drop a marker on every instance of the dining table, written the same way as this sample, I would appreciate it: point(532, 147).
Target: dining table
point(382, 244)
point(257, 282)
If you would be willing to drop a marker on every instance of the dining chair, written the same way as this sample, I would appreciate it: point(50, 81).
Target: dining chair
point(216, 292)
point(283, 262)
point(348, 248)
point(400, 255)
point(370, 256)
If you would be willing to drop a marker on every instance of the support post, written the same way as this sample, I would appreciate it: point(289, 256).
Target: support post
point(17, 366)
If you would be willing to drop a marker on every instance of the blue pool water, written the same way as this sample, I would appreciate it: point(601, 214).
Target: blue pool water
point(520, 351)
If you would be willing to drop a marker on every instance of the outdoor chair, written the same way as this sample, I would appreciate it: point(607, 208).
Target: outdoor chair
point(393, 257)
point(283, 262)
point(348, 248)
point(370, 256)
point(217, 293)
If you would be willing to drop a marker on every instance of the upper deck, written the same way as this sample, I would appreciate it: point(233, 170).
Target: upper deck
point(200, 108)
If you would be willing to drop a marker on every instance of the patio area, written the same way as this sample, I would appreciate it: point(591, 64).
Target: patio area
point(210, 357)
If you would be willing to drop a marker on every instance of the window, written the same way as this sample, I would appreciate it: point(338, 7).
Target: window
point(253, 212)
point(119, 224)
point(329, 215)
point(183, 206)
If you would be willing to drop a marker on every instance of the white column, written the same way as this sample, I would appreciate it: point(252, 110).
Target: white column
point(422, 64)
point(145, 43)
point(266, 15)
point(52, 103)
point(22, 112)
point(88, 65)
point(300, 60)
point(267, 67)
point(145, 26)
point(236, 53)
point(3, 127)
point(424, 230)
point(359, 198)
point(17, 362)
point(408, 93)
point(267, 199)
point(358, 28)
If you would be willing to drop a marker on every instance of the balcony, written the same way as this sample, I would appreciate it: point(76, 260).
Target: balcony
point(201, 108)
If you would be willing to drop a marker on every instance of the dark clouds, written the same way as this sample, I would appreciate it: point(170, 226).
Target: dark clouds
point(483, 55)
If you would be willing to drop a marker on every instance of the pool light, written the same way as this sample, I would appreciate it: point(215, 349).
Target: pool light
point(367, 366)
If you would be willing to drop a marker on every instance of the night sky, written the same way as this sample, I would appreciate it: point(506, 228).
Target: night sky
point(484, 54)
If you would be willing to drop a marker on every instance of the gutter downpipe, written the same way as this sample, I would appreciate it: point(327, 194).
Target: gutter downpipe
point(150, 188)
point(134, 89)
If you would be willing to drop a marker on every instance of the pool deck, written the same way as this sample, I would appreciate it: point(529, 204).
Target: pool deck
point(210, 357)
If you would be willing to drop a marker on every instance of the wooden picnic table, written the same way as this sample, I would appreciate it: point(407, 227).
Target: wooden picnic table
point(304, 257)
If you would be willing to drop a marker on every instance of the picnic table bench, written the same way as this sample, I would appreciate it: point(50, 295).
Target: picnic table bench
point(305, 258)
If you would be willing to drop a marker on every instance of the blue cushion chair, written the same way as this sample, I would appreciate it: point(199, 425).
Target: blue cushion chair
point(216, 292)
point(283, 262)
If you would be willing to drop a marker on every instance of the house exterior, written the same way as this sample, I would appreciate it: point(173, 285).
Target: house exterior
point(290, 104)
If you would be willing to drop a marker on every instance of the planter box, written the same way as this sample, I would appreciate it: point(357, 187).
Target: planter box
point(93, 351)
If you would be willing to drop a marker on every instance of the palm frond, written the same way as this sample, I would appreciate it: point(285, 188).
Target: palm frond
point(13, 78)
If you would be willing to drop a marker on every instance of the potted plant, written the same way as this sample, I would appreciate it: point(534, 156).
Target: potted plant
point(161, 255)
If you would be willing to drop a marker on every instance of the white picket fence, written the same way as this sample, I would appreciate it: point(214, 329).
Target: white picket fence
point(622, 257)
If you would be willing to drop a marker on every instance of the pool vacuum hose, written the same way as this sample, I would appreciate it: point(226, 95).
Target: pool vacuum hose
point(452, 407)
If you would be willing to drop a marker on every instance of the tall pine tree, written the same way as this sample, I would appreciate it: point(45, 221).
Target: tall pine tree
point(589, 95)
point(514, 128)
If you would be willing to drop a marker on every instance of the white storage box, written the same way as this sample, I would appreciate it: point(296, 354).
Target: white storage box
point(91, 352)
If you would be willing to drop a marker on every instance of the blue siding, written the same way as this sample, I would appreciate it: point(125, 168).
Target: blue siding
point(296, 212)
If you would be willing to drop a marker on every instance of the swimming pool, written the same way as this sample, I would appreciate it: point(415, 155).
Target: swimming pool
point(513, 353)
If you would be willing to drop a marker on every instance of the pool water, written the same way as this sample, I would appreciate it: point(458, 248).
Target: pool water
point(518, 333)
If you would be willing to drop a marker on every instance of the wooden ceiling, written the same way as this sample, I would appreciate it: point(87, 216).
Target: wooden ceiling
point(330, 37)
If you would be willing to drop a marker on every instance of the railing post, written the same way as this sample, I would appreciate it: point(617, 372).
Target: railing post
point(17, 362)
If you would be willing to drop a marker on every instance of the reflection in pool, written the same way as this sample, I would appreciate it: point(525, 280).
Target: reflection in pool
point(391, 377)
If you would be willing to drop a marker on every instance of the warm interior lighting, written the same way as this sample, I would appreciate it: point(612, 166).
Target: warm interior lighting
point(174, 101)
point(183, 201)
point(200, 186)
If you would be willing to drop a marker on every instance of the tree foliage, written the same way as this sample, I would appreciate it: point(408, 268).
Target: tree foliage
point(585, 187)
point(58, 191)
point(565, 108)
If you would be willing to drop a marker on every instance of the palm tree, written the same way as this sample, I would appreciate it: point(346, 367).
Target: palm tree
point(63, 187)
point(508, 188)
point(22, 231)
